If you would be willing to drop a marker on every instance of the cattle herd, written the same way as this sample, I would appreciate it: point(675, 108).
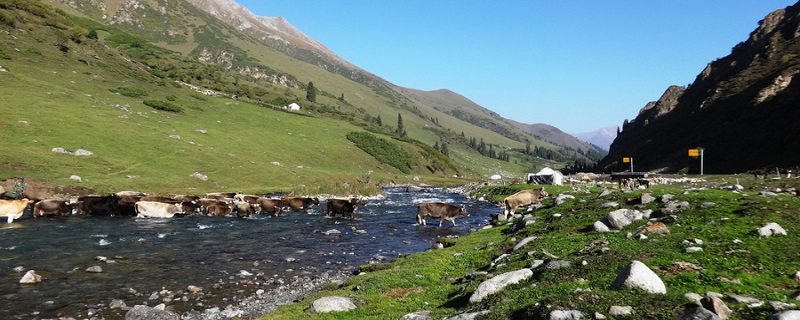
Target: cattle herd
point(137, 204)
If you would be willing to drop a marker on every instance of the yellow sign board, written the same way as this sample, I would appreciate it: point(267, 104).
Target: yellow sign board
point(626, 160)
point(694, 152)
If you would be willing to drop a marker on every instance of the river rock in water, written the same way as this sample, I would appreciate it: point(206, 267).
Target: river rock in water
point(30, 277)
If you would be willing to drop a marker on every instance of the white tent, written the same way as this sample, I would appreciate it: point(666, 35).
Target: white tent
point(293, 106)
point(546, 176)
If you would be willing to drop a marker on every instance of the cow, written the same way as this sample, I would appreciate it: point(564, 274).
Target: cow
point(205, 203)
point(97, 205)
point(252, 199)
point(298, 203)
point(443, 211)
point(344, 207)
point(126, 202)
point(52, 207)
point(272, 206)
point(154, 209)
point(13, 209)
point(219, 209)
point(523, 198)
point(220, 195)
point(243, 208)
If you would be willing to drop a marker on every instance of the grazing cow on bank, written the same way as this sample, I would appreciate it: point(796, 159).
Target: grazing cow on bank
point(440, 210)
point(52, 208)
point(344, 207)
point(272, 206)
point(97, 205)
point(13, 209)
point(523, 198)
point(298, 203)
point(154, 209)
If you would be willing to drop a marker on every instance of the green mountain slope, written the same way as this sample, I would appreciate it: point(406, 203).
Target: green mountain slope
point(76, 83)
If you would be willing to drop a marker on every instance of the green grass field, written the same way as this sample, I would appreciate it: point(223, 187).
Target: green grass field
point(754, 266)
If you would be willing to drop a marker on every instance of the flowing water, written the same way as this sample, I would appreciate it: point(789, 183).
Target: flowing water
point(224, 256)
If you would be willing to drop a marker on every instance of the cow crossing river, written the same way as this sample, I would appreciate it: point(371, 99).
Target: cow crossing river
point(153, 261)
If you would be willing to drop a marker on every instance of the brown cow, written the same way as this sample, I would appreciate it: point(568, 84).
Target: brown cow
point(219, 209)
point(272, 206)
point(523, 198)
point(440, 210)
point(52, 207)
point(126, 203)
point(243, 208)
point(344, 207)
point(220, 195)
point(97, 205)
point(298, 203)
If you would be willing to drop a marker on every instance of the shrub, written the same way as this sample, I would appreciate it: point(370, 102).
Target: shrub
point(130, 92)
point(163, 105)
point(383, 151)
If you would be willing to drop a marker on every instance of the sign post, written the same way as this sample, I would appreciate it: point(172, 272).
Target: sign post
point(628, 159)
point(697, 152)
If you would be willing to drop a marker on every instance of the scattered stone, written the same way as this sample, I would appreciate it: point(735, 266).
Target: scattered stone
point(30, 277)
point(693, 249)
point(557, 264)
point(467, 316)
point(199, 175)
point(94, 269)
point(796, 276)
point(749, 301)
point(620, 310)
point(563, 198)
point(499, 282)
point(605, 193)
point(193, 289)
point(780, 305)
point(536, 263)
point(699, 313)
point(786, 315)
point(117, 304)
point(332, 231)
point(638, 275)
point(647, 198)
point(203, 131)
point(611, 204)
point(706, 205)
point(623, 217)
point(83, 152)
point(693, 298)
point(437, 246)
point(599, 316)
point(142, 312)
point(421, 315)
point(599, 226)
point(332, 304)
point(767, 194)
point(716, 306)
point(76, 178)
point(175, 136)
point(771, 229)
point(19, 269)
point(675, 206)
point(566, 315)
point(523, 242)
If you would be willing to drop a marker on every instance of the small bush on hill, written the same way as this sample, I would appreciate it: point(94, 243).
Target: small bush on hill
point(384, 151)
point(163, 105)
point(130, 92)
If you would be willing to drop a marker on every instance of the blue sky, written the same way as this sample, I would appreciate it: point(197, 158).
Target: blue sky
point(576, 65)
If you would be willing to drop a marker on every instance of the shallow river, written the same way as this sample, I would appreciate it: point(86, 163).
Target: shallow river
point(227, 257)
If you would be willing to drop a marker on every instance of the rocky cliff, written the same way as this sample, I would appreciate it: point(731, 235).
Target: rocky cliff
point(742, 109)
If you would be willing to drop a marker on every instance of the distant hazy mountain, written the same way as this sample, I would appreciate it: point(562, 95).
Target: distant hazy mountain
point(560, 138)
point(602, 137)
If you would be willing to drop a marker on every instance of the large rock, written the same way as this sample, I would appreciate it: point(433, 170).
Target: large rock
point(638, 275)
point(142, 312)
point(623, 217)
point(332, 304)
point(498, 283)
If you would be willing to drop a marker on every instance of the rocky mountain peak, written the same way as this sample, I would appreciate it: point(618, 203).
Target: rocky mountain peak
point(767, 25)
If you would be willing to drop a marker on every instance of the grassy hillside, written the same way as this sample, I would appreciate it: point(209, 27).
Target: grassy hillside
point(734, 259)
point(65, 89)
